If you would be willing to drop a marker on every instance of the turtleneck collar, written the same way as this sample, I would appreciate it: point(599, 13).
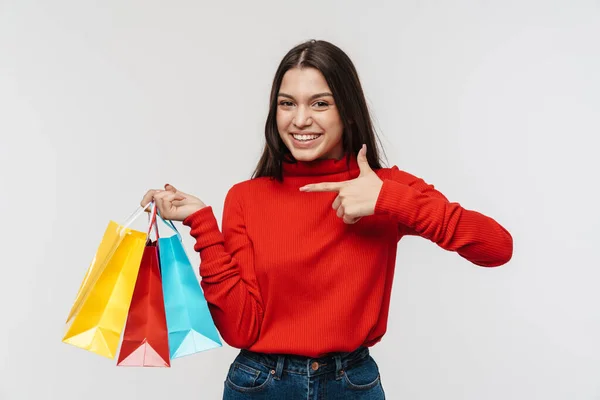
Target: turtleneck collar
point(291, 167)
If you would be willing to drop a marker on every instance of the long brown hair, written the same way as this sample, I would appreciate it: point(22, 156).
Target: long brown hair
point(342, 78)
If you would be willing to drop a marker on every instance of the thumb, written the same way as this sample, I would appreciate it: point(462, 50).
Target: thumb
point(363, 163)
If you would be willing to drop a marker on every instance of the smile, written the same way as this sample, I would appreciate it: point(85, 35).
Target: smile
point(305, 138)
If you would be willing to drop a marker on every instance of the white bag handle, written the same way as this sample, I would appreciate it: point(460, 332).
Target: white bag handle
point(137, 214)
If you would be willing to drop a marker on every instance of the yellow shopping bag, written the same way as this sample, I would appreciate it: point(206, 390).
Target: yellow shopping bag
point(98, 315)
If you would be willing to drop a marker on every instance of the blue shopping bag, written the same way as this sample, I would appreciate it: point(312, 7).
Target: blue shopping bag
point(190, 325)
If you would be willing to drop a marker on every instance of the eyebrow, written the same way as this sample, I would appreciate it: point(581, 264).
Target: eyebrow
point(314, 96)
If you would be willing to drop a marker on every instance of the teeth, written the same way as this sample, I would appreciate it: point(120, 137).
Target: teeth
point(305, 137)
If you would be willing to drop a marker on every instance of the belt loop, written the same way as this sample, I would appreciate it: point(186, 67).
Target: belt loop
point(338, 367)
point(279, 368)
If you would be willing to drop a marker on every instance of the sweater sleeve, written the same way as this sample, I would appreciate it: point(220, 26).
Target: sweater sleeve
point(227, 271)
point(421, 210)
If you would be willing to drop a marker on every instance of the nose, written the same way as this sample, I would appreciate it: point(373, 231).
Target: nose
point(302, 117)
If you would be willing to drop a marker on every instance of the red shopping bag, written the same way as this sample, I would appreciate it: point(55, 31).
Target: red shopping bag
point(146, 337)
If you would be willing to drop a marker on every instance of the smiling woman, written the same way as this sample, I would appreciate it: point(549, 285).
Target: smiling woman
point(308, 121)
point(300, 278)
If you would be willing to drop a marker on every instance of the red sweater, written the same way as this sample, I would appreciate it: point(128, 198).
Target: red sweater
point(288, 276)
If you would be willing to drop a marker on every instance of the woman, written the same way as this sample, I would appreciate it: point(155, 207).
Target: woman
point(301, 276)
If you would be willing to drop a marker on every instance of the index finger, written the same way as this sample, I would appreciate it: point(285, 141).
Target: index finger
point(323, 187)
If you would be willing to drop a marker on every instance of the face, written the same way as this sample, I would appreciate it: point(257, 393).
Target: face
point(307, 117)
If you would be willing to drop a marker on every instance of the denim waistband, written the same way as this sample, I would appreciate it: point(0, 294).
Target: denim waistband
point(332, 362)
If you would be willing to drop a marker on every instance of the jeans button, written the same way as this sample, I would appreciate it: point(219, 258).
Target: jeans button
point(315, 366)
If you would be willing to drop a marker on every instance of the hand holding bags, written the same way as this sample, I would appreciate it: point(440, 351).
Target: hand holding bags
point(149, 286)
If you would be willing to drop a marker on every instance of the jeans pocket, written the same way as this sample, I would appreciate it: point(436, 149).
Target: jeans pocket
point(247, 376)
point(363, 375)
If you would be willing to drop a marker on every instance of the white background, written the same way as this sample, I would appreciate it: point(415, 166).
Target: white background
point(496, 103)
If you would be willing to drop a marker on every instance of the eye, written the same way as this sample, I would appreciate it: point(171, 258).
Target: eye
point(286, 103)
point(321, 104)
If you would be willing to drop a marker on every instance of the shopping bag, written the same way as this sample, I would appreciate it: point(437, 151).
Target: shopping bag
point(191, 327)
point(97, 317)
point(146, 338)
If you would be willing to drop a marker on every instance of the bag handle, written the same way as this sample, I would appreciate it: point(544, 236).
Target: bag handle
point(136, 214)
point(170, 224)
point(152, 222)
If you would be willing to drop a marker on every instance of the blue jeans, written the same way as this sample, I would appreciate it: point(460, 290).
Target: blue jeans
point(347, 376)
